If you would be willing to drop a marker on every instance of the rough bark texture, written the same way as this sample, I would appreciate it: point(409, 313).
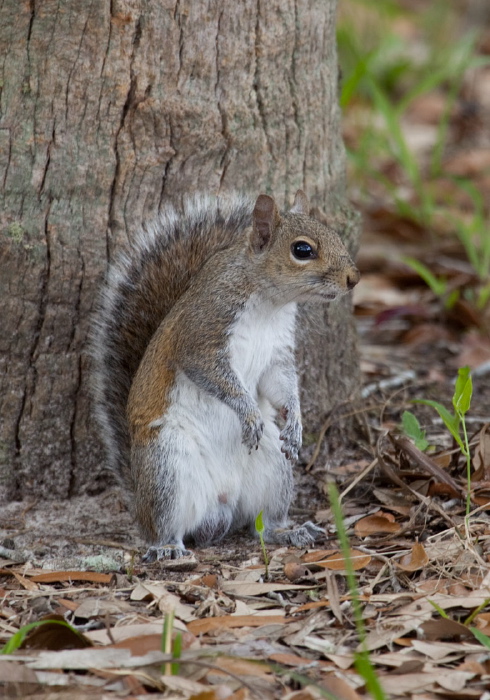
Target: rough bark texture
point(109, 109)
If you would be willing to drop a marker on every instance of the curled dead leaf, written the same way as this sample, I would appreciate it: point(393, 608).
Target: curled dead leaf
point(295, 571)
point(414, 561)
point(317, 555)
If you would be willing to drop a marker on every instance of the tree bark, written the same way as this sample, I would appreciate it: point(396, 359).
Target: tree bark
point(108, 110)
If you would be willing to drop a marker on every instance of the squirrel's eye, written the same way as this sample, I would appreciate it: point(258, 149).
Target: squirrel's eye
point(302, 250)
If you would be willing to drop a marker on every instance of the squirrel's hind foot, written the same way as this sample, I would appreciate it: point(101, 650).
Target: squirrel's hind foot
point(168, 551)
point(302, 536)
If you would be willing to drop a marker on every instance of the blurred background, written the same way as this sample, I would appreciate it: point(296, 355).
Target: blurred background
point(415, 94)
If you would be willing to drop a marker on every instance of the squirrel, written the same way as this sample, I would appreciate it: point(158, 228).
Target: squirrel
point(194, 366)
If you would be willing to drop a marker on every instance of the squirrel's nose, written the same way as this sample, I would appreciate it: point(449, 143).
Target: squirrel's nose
point(353, 277)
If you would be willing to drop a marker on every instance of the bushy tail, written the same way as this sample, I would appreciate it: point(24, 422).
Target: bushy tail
point(141, 287)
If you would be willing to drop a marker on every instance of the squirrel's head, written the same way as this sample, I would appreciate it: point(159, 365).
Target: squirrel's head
point(304, 259)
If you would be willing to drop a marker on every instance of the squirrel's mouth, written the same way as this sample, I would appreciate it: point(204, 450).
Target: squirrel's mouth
point(319, 295)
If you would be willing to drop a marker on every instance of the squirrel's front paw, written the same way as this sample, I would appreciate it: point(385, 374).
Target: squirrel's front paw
point(291, 435)
point(252, 430)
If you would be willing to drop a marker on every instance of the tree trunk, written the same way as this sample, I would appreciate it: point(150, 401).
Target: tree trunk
point(108, 110)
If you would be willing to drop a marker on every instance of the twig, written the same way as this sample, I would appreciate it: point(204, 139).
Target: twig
point(214, 667)
point(403, 443)
point(388, 383)
point(107, 624)
point(359, 478)
point(321, 435)
point(393, 476)
point(330, 420)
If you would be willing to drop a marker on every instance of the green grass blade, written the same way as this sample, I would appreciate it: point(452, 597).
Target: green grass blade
point(176, 653)
point(351, 84)
point(365, 669)
point(166, 642)
point(437, 284)
point(344, 546)
point(440, 610)
point(362, 660)
point(260, 529)
point(481, 637)
point(476, 612)
point(392, 120)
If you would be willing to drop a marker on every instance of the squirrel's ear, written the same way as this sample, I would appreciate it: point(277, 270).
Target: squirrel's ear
point(265, 221)
point(301, 204)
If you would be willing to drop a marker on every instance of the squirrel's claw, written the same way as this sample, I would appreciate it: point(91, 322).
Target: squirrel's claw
point(303, 536)
point(291, 435)
point(169, 551)
point(306, 535)
point(252, 431)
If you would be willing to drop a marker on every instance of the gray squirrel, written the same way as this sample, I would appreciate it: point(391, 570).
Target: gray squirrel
point(193, 353)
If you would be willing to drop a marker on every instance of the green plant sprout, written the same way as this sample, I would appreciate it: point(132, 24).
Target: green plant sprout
point(17, 639)
point(361, 658)
point(437, 285)
point(440, 610)
point(474, 237)
point(463, 392)
point(260, 529)
point(176, 652)
point(478, 634)
point(175, 648)
point(411, 428)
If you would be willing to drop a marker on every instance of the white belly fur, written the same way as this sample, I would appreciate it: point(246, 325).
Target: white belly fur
point(205, 436)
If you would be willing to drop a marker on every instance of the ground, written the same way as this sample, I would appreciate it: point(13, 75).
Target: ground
point(409, 547)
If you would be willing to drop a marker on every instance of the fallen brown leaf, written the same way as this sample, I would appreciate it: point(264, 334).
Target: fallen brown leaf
point(292, 659)
point(376, 524)
point(17, 680)
point(339, 688)
point(445, 629)
point(228, 621)
point(53, 636)
point(425, 334)
point(336, 562)
point(60, 576)
point(244, 667)
point(68, 604)
point(481, 458)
